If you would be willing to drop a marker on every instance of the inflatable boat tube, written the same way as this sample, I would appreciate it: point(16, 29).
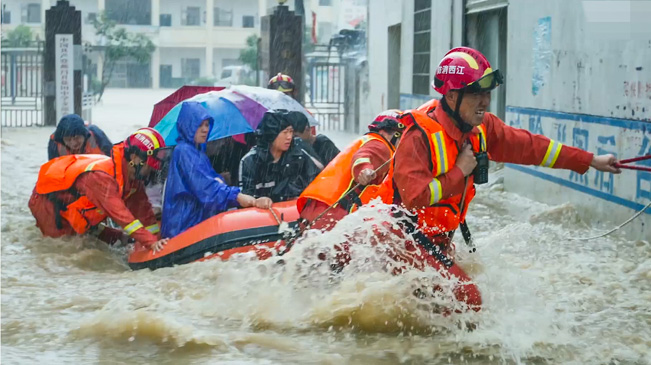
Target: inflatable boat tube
point(235, 231)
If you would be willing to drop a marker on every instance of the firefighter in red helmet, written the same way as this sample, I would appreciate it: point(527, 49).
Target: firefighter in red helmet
point(75, 193)
point(446, 151)
point(284, 84)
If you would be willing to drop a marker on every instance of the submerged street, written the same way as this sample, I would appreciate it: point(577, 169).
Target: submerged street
point(546, 299)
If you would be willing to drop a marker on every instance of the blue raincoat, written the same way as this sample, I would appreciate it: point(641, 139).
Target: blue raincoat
point(194, 191)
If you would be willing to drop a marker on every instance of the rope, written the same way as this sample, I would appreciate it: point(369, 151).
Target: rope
point(612, 230)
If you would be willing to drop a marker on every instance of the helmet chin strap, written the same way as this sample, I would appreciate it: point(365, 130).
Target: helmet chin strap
point(461, 124)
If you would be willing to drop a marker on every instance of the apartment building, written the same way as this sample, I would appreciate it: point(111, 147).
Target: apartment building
point(194, 38)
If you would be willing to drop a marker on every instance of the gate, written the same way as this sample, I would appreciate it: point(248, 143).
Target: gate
point(326, 84)
point(22, 86)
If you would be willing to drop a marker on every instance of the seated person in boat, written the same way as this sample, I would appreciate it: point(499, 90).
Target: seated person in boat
point(225, 155)
point(318, 146)
point(194, 192)
point(276, 167)
point(72, 137)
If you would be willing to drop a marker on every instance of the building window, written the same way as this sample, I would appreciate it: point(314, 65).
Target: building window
point(190, 68)
point(165, 20)
point(223, 18)
point(6, 17)
point(248, 21)
point(132, 12)
point(325, 2)
point(33, 13)
point(422, 36)
point(192, 15)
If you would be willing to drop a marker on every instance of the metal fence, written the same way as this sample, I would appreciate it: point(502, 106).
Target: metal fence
point(22, 86)
point(326, 97)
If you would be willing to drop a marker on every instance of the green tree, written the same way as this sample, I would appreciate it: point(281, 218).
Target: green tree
point(118, 45)
point(21, 36)
point(249, 55)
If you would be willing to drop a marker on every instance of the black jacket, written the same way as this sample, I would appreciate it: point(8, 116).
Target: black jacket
point(280, 181)
point(325, 149)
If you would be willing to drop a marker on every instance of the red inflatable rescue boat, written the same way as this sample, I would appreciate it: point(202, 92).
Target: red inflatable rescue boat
point(226, 234)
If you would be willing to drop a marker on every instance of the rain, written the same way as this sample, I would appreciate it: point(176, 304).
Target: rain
point(297, 259)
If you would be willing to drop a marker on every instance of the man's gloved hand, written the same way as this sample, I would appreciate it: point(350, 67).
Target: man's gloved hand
point(366, 176)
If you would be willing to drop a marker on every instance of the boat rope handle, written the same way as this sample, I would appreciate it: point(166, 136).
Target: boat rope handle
point(612, 230)
point(275, 215)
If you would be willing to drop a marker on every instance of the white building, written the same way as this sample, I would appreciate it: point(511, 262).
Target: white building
point(193, 38)
point(576, 71)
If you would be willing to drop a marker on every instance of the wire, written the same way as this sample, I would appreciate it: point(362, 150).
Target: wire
point(612, 230)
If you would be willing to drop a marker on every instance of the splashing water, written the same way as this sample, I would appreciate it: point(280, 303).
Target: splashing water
point(545, 300)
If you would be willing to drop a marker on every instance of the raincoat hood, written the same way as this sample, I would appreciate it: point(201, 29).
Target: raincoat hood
point(70, 125)
point(273, 122)
point(191, 116)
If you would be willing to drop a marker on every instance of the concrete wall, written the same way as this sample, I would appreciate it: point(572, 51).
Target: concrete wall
point(579, 73)
point(576, 71)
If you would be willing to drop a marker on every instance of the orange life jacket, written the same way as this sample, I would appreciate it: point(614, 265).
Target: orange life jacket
point(443, 215)
point(337, 178)
point(60, 174)
point(429, 106)
point(90, 146)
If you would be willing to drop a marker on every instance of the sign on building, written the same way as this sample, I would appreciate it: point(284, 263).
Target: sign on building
point(64, 71)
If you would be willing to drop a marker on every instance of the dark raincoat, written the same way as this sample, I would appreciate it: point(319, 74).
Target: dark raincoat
point(194, 191)
point(283, 180)
point(73, 125)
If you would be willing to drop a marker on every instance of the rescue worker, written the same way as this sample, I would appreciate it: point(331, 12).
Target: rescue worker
point(318, 146)
point(284, 84)
point(73, 137)
point(446, 151)
point(356, 165)
point(276, 168)
point(194, 192)
point(75, 193)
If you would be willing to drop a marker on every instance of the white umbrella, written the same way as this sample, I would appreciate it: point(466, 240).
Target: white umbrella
point(273, 99)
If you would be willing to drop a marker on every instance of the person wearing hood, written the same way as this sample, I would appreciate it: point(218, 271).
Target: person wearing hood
point(276, 167)
point(319, 146)
point(194, 192)
point(72, 137)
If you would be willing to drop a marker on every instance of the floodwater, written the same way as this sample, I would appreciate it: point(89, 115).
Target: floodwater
point(547, 300)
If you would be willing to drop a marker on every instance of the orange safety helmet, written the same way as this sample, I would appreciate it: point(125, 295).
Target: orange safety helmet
point(149, 145)
point(282, 83)
point(465, 68)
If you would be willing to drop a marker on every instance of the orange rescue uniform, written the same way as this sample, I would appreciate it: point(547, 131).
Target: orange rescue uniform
point(82, 190)
point(368, 152)
point(425, 179)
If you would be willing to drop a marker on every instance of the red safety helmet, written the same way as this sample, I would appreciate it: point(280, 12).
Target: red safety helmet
point(282, 83)
point(149, 145)
point(388, 120)
point(465, 68)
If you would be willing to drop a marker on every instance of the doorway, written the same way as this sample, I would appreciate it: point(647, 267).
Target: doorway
point(486, 32)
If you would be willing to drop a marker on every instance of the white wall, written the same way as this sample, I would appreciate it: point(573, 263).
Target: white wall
point(173, 56)
point(241, 8)
point(591, 65)
point(177, 8)
point(219, 55)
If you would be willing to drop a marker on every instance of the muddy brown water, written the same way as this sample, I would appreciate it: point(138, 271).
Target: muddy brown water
point(546, 300)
